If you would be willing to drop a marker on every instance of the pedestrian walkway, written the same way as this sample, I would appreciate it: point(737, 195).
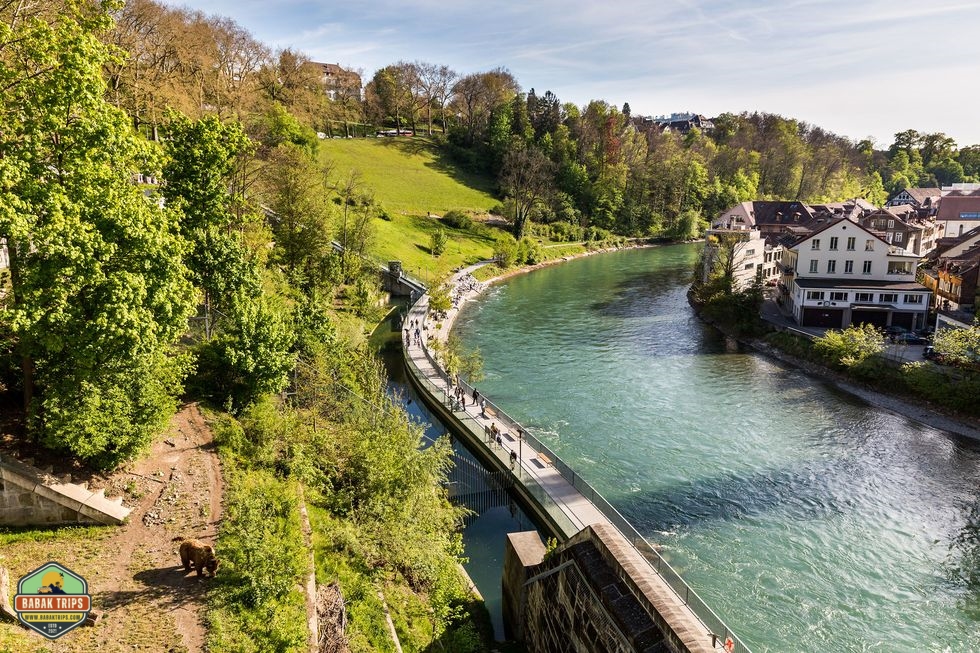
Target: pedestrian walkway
point(537, 469)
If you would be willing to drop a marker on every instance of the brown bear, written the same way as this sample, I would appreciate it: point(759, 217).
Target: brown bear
point(195, 554)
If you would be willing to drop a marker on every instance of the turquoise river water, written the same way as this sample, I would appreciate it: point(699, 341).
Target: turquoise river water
point(806, 518)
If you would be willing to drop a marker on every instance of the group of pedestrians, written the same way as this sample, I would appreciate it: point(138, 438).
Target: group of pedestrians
point(413, 332)
point(466, 283)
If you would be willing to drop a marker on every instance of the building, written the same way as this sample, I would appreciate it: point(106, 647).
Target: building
point(339, 83)
point(917, 197)
point(902, 226)
point(952, 272)
point(742, 251)
point(959, 213)
point(845, 274)
point(4, 255)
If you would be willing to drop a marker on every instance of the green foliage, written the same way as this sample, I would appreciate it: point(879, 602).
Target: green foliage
point(959, 346)
point(99, 291)
point(256, 606)
point(252, 356)
point(439, 299)
point(438, 241)
point(851, 348)
point(505, 250)
point(457, 220)
point(528, 251)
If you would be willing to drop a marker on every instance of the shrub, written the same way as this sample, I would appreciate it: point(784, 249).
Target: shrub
point(457, 220)
point(505, 250)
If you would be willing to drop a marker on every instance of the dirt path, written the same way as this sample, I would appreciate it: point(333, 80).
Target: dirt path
point(134, 573)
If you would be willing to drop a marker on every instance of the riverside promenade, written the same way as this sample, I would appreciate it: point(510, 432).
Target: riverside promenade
point(569, 503)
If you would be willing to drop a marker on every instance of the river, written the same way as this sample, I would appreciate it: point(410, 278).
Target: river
point(807, 519)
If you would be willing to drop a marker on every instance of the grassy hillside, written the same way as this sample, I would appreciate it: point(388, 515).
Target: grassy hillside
point(406, 238)
point(408, 175)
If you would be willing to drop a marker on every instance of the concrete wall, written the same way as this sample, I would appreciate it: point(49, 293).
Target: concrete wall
point(594, 594)
point(31, 497)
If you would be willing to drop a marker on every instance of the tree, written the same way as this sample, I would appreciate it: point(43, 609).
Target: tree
point(296, 190)
point(202, 158)
point(526, 177)
point(959, 346)
point(99, 293)
point(438, 241)
point(851, 347)
point(390, 94)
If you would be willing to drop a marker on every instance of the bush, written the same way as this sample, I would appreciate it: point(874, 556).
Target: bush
point(438, 242)
point(505, 250)
point(528, 251)
point(457, 220)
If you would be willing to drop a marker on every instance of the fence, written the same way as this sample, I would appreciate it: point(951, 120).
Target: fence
point(690, 598)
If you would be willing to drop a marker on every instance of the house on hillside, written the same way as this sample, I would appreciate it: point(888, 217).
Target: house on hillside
point(682, 123)
point(917, 197)
point(952, 272)
point(338, 82)
point(959, 213)
point(845, 274)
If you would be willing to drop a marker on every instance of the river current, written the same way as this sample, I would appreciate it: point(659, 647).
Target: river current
point(807, 519)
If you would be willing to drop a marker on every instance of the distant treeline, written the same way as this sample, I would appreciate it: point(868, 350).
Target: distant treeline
point(557, 163)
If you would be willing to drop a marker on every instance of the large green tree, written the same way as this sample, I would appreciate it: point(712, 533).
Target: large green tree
point(99, 290)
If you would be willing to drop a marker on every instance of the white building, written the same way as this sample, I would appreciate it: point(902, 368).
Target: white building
point(844, 274)
point(4, 255)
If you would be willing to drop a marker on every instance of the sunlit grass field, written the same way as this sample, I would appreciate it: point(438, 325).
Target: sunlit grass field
point(409, 175)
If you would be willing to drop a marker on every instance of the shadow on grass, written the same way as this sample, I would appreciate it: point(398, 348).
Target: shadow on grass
point(442, 162)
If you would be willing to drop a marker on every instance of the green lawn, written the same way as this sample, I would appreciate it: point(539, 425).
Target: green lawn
point(409, 175)
point(406, 238)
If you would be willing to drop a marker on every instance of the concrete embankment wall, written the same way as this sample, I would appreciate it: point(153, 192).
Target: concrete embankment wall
point(32, 497)
point(593, 594)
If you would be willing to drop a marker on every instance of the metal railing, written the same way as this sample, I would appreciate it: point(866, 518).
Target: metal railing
point(685, 593)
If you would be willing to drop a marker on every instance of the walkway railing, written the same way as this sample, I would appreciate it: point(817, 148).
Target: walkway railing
point(690, 598)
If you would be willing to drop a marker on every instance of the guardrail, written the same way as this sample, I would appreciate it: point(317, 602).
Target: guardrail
point(726, 638)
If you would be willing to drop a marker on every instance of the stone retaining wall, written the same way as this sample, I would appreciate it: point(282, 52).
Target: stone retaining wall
point(32, 497)
point(590, 596)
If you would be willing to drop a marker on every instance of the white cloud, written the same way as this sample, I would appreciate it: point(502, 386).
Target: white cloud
point(819, 60)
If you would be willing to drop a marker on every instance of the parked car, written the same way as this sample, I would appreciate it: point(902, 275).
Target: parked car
point(909, 339)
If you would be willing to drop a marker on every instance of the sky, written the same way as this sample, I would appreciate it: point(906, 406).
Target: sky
point(858, 68)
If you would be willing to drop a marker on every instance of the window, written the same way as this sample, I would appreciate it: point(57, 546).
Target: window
point(850, 243)
point(898, 236)
point(913, 299)
point(867, 268)
point(891, 224)
point(838, 296)
point(848, 267)
point(864, 297)
point(833, 243)
point(869, 245)
point(815, 294)
point(900, 267)
point(831, 267)
point(749, 266)
point(813, 266)
point(815, 243)
point(969, 215)
point(749, 252)
point(888, 297)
